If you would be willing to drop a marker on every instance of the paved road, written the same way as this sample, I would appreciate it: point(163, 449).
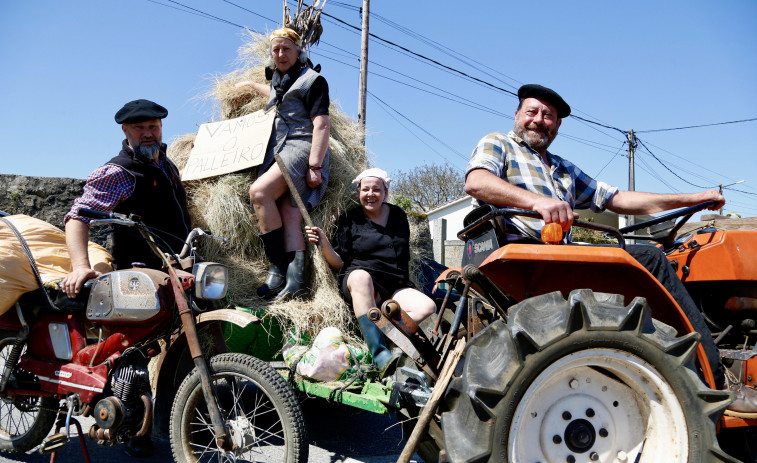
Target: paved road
point(338, 434)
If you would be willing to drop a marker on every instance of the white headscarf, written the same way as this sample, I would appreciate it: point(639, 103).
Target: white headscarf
point(373, 172)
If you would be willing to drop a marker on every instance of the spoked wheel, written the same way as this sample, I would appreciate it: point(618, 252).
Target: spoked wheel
point(587, 379)
point(24, 420)
point(264, 419)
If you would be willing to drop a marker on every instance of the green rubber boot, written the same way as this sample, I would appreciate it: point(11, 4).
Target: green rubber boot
point(385, 360)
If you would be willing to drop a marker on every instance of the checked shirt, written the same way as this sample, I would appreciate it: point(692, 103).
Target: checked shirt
point(107, 186)
point(510, 158)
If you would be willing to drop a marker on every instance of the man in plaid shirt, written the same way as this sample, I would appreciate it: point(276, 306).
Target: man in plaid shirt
point(516, 170)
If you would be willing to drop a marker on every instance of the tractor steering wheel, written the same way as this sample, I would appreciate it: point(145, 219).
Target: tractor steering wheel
point(664, 234)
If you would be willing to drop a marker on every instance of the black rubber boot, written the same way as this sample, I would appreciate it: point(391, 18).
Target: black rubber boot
point(385, 360)
point(273, 245)
point(295, 276)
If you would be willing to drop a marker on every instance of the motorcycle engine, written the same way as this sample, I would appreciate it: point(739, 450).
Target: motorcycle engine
point(121, 415)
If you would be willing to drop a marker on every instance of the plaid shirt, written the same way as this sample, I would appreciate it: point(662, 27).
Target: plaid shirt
point(510, 158)
point(105, 188)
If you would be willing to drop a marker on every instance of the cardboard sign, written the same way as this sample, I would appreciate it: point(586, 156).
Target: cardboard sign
point(228, 146)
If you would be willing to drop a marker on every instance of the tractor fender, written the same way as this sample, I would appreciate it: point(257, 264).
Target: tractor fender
point(175, 362)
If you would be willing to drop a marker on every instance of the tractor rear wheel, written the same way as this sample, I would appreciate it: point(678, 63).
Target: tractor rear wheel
point(582, 379)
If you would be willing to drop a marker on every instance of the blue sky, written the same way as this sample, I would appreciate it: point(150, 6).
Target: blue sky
point(642, 65)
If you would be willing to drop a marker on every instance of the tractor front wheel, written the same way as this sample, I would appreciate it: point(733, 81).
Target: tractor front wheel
point(582, 379)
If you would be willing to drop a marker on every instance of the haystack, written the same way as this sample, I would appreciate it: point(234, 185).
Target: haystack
point(222, 205)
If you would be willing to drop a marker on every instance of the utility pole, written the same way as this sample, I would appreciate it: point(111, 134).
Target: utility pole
point(631, 178)
point(363, 71)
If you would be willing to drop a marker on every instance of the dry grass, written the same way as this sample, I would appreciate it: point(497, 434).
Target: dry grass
point(222, 205)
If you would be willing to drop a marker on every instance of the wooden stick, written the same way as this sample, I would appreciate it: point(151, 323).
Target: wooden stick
point(293, 190)
point(433, 402)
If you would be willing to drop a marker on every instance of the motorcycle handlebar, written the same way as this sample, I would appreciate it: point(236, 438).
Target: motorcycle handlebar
point(100, 215)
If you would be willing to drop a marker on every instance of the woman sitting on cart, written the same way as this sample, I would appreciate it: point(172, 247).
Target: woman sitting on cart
point(372, 253)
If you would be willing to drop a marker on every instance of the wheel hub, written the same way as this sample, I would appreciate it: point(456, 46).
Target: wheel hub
point(242, 434)
point(580, 436)
point(596, 405)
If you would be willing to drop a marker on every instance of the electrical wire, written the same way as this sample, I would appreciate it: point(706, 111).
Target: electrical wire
point(419, 127)
point(698, 126)
point(611, 159)
point(668, 168)
point(446, 68)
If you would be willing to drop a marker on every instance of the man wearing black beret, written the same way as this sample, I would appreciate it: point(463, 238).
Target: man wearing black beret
point(516, 170)
point(140, 180)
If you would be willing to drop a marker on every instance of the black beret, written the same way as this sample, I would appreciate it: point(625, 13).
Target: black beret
point(140, 111)
point(546, 94)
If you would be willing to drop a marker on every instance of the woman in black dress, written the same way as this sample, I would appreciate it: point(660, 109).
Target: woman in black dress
point(372, 253)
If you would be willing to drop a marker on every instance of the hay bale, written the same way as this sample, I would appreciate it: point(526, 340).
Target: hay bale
point(222, 205)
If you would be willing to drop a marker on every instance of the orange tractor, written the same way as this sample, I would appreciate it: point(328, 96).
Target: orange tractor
point(576, 353)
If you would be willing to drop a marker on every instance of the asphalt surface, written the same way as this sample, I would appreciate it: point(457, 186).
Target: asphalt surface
point(338, 434)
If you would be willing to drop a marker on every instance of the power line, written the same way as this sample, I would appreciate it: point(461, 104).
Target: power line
point(423, 57)
point(611, 159)
point(419, 127)
point(386, 109)
point(446, 68)
point(668, 168)
point(698, 126)
point(206, 14)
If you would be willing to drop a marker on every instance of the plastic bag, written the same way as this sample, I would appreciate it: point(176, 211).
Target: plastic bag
point(329, 359)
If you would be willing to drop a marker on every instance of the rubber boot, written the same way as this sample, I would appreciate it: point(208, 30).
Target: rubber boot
point(385, 360)
point(295, 276)
point(273, 245)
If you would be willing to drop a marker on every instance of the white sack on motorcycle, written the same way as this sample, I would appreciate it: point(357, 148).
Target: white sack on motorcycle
point(47, 244)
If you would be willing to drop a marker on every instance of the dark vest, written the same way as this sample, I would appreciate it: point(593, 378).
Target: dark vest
point(159, 198)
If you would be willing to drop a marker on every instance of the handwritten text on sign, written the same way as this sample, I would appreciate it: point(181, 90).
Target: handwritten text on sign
point(228, 146)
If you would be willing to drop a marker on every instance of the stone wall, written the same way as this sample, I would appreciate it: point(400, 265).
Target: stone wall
point(46, 198)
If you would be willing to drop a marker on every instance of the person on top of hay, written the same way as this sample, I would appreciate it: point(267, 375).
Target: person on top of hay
point(141, 180)
point(371, 251)
point(517, 170)
point(301, 137)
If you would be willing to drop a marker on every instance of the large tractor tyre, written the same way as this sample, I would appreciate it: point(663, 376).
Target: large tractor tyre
point(582, 379)
point(263, 416)
point(25, 421)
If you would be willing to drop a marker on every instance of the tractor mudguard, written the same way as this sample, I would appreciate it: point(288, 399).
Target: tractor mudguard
point(527, 270)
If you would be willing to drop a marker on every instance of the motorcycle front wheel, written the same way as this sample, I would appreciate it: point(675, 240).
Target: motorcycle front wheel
point(24, 420)
point(262, 414)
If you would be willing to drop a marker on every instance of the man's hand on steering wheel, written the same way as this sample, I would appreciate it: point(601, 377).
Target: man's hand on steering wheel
point(555, 211)
point(714, 195)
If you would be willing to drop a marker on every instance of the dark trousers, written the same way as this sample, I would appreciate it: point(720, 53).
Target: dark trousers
point(653, 259)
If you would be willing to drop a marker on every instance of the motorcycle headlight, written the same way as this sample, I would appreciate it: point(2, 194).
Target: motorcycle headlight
point(210, 280)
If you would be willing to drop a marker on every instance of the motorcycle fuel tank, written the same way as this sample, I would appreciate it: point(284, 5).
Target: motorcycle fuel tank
point(124, 295)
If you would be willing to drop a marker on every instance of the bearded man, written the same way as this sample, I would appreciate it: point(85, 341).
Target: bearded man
point(141, 180)
point(516, 170)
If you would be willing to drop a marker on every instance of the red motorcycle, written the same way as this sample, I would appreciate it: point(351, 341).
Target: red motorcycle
point(62, 358)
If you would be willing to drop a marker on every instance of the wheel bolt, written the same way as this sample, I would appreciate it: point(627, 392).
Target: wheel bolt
point(557, 439)
point(566, 416)
point(594, 456)
point(589, 412)
point(573, 383)
point(603, 432)
point(571, 459)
